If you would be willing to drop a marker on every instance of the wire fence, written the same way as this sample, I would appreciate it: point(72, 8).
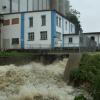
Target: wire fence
point(73, 47)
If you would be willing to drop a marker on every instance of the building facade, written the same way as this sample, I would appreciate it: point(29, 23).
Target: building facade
point(35, 30)
point(84, 41)
point(40, 24)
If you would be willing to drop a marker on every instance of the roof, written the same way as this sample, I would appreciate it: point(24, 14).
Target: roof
point(70, 34)
point(92, 33)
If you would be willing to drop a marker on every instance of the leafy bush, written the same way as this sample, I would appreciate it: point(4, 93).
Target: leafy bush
point(80, 97)
point(88, 72)
point(77, 76)
point(96, 87)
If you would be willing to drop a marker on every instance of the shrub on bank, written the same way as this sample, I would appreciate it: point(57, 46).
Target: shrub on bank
point(88, 75)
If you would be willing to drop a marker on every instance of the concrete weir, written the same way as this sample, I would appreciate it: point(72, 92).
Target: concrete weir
point(22, 60)
point(73, 60)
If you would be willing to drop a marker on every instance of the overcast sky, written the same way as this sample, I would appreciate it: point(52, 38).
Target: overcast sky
point(90, 14)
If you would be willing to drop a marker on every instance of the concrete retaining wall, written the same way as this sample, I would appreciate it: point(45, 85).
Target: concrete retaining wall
point(73, 62)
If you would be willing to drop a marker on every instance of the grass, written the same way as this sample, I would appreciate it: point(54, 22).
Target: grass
point(14, 54)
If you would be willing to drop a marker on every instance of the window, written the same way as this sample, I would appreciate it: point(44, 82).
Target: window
point(1, 21)
point(31, 22)
point(59, 22)
point(71, 27)
point(15, 41)
point(43, 35)
point(6, 22)
point(70, 40)
point(15, 21)
point(66, 25)
point(92, 38)
point(58, 36)
point(81, 39)
point(31, 36)
point(43, 17)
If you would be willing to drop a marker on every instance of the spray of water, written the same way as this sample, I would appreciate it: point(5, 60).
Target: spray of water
point(35, 81)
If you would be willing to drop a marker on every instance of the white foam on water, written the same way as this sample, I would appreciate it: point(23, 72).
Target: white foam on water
point(35, 81)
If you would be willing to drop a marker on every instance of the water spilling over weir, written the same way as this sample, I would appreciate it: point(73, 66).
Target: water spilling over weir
point(35, 81)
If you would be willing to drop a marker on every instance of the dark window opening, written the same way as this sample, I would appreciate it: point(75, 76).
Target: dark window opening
point(70, 40)
point(31, 22)
point(6, 22)
point(31, 36)
point(43, 17)
point(15, 21)
point(15, 41)
point(92, 38)
point(43, 35)
point(59, 22)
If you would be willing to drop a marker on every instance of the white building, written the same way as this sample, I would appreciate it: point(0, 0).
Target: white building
point(31, 30)
point(39, 24)
point(83, 41)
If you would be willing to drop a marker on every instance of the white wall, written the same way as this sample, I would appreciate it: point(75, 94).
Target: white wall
point(75, 42)
point(37, 28)
point(71, 28)
point(11, 31)
point(58, 43)
point(14, 31)
point(64, 29)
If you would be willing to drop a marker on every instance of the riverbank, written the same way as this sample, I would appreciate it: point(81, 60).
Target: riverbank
point(87, 75)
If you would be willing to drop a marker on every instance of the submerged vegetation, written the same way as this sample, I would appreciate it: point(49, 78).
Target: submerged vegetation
point(87, 75)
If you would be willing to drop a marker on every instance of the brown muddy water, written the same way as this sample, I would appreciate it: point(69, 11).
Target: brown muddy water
point(35, 81)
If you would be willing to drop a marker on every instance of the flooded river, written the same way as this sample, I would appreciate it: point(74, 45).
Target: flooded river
point(35, 81)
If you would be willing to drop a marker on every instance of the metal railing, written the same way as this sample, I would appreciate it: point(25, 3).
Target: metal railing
point(73, 47)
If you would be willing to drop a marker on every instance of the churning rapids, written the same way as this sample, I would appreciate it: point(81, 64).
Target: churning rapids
point(35, 81)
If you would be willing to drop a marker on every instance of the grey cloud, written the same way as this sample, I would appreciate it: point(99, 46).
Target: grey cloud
point(90, 14)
